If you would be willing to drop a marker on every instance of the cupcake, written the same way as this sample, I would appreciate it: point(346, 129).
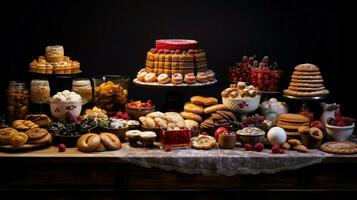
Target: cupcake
point(133, 137)
point(41, 67)
point(150, 77)
point(190, 78)
point(163, 78)
point(148, 138)
point(67, 68)
point(58, 68)
point(176, 78)
point(49, 68)
point(75, 67)
point(33, 66)
point(202, 77)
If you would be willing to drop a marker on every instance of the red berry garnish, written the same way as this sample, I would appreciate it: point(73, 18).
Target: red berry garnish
point(178, 51)
point(282, 151)
point(275, 149)
point(248, 147)
point(161, 51)
point(259, 147)
point(191, 51)
point(168, 149)
point(61, 147)
point(167, 51)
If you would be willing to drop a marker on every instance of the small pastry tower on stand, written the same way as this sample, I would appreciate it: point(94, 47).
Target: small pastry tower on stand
point(306, 85)
point(169, 64)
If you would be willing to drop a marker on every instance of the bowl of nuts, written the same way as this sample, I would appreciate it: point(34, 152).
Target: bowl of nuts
point(240, 98)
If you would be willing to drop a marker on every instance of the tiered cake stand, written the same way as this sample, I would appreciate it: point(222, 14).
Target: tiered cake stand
point(174, 100)
point(58, 82)
point(305, 100)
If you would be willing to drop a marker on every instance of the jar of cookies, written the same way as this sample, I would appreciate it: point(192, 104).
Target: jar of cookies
point(83, 87)
point(17, 100)
point(111, 92)
point(40, 91)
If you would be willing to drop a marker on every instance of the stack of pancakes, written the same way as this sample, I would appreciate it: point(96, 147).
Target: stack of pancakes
point(306, 81)
point(292, 122)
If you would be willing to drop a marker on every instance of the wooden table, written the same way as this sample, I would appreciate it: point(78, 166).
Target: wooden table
point(51, 174)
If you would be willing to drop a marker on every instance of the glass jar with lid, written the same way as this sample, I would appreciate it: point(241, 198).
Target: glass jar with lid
point(40, 91)
point(83, 87)
point(17, 100)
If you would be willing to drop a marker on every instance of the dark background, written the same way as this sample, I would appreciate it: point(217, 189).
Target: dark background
point(112, 37)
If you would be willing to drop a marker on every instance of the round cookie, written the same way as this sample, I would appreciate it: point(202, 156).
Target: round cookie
point(36, 133)
point(5, 135)
point(307, 81)
point(308, 85)
point(317, 77)
point(290, 117)
point(307, 67)
point(42, 140)
point(345, 147)
point(306, 73)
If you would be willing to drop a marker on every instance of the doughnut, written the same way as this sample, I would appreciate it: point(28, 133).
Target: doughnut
point(110, 141)
point(176, 78)
point(150, 77)
point(210, 75)
point(5, 135)
point(88, 142)
point(18, 139)
point(163, 79)
point(202, 77)
point(190, 78)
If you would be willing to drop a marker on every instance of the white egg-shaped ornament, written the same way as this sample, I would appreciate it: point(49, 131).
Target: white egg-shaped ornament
point(276, 135)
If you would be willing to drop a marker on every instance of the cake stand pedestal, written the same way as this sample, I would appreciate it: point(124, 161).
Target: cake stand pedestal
point(305, 100)
point(174, 97)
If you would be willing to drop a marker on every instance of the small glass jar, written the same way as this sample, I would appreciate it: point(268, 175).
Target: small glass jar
point(111, 92)
point(83, 87)
point(40, 91)
point(17, 100)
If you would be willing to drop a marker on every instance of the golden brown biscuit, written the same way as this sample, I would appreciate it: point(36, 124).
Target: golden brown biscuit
point(192, 116)
point(5, 135)
point(193, 108)
point(307, 67)
point(205, 101)
point(88, 142)
point(290, 117)
point(18, 139)
point(215, 108)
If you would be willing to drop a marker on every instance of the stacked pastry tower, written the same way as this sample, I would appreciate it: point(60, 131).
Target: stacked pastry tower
point(54, 61)
point(176, 61)
point(306, 81)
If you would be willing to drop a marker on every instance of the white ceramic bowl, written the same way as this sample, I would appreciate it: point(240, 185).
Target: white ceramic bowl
point(242, 105)
point(340, 133)
point(59, 108)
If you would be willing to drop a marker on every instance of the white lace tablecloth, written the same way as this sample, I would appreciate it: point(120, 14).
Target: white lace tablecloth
point(219, 161)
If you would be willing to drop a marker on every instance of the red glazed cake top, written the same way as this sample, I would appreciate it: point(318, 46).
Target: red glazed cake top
point(174, 44)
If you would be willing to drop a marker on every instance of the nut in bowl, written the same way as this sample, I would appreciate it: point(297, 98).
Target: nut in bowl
point(66, 103)
point(240, 98)
point(137, 109)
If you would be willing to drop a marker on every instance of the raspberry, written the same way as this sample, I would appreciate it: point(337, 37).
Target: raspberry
point(168, 149)
point(191, 51)
point(282, 151)
point(275, 149)
point(161, 51)
point(248, 147)
point(61, 147)
point(178, 51)
point(259, 147)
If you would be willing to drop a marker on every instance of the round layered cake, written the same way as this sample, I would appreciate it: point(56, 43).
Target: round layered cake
point(176, 57)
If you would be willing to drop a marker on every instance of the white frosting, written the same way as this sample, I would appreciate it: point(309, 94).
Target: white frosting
point(148, 134)
point(66, 96)
point(251, 131)
point(133, 133)
point(117, 123)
